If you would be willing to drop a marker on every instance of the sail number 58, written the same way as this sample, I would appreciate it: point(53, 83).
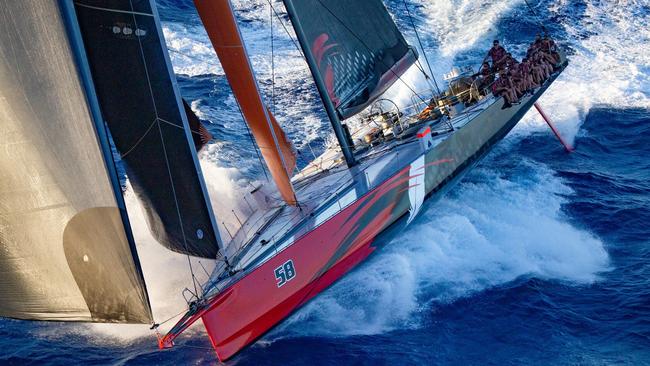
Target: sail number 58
point(285, 273)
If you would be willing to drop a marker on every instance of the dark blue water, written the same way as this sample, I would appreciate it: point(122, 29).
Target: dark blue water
point(536, 257)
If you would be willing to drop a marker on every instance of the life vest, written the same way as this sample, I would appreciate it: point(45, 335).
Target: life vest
point(497, 53)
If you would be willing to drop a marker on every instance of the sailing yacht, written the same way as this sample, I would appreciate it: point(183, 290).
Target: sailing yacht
point(86, 86)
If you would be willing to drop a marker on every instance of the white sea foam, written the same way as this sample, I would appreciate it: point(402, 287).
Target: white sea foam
point(488, 233)
point(190, 50)
point(610, 66)
point(226, 190)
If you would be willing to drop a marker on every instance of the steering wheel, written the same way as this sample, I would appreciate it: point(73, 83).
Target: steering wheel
point(384, 105)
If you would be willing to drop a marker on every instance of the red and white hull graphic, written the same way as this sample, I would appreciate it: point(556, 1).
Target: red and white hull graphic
point(268, 293)
point(275, 289)
point(417, 188)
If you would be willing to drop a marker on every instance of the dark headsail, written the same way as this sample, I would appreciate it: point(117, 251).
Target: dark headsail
point(66, 252)
point(139, 103)
point(358, 50)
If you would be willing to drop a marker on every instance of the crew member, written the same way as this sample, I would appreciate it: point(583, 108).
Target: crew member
point(484, 77)
point(503, 88)
point(519, 81)
point(496, 53)
point(508, 61)
point(527, 73)
point(549, 47)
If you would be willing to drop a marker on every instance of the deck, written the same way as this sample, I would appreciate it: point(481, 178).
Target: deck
point(325, 187)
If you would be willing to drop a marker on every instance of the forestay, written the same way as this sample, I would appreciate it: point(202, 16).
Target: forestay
point(357, 47)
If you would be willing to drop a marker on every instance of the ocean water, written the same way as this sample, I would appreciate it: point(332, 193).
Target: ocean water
point(536, 257)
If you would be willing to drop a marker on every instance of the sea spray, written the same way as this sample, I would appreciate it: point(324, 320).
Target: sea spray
point(166, 273)
point(489, 231)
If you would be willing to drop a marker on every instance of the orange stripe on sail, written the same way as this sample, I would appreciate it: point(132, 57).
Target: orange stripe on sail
point(277, 151)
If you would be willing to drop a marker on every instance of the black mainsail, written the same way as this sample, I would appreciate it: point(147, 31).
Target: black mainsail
point(358, 50)
point(139, 103)
point(66, 251)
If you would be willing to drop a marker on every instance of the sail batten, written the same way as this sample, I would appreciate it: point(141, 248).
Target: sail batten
point(358, 50)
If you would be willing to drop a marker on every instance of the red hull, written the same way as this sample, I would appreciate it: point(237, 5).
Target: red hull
point(254, 304)
point(228, 343)
point(261, 299)
point(258, 301)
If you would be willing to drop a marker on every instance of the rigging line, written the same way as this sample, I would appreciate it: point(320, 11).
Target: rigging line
point(272, 61)
point(132, 12)
point(267, 113)
point(417, 35)
point(369, 49)
point(140, 139)
point(312, 150)
point(295, 44)
point(153, 101)
point(172, 124)
point(250, 135)
point(418, 64)
point(536, 16)
point(195, 347)
point(171, 318)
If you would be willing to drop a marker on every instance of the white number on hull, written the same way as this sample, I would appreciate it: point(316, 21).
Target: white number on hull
point(285, 273)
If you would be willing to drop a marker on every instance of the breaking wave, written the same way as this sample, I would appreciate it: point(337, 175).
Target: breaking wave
point(490, 231)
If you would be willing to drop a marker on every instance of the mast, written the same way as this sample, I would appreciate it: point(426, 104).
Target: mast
point(348, 154)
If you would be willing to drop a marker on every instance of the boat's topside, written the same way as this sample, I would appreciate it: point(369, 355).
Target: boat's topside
point(342, 211)
point(326, 186)
point(270, 229)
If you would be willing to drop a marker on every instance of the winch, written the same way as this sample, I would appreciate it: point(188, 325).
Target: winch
point(385, 117)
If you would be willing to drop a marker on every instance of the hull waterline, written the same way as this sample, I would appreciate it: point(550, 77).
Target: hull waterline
point(259, 300)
